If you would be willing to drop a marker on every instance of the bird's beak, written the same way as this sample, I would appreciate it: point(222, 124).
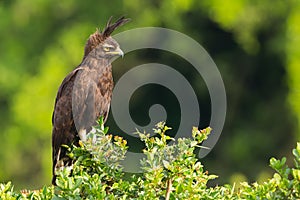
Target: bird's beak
point(121, 53)
point(118, 52)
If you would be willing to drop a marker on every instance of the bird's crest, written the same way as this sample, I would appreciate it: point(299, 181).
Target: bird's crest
point(98, 37)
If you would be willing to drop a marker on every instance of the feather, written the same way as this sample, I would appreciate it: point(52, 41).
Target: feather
point(83, 96)
point(98, 37)
point(111, 27)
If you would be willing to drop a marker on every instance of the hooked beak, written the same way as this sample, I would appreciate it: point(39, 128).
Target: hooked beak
point(117, 52)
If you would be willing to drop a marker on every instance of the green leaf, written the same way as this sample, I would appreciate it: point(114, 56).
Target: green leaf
point(105, 130)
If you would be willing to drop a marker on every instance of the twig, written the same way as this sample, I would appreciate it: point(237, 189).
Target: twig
point(169, 188)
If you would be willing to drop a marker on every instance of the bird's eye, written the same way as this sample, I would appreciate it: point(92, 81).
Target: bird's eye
point(106, 48)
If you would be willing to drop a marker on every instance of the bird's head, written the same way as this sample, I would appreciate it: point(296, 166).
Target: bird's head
point(103, 44)
point(109, 49)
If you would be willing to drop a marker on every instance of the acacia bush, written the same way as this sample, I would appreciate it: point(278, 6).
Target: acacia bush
point(170, 172)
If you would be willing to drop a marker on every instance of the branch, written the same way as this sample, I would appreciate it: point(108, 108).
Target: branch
point(169, 188)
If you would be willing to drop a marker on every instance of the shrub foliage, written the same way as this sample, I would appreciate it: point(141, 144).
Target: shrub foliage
point(171, 171)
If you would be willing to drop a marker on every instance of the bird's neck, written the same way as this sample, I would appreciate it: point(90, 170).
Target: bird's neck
point(98, 64)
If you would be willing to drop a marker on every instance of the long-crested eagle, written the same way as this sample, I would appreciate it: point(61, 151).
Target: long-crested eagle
point(85, 93)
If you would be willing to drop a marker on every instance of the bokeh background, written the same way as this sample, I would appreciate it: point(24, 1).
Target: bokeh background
point(255, 45)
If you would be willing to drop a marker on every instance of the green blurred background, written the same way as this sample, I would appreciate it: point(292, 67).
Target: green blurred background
point(255, 44)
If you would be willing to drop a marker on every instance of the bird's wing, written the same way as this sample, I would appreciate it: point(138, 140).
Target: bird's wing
point(83, 100)
point(63, 131)
point(66, 84)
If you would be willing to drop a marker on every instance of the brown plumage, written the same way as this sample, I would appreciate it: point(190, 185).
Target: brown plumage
point(85, 93)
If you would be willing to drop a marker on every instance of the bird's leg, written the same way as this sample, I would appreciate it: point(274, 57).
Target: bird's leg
point(59, 163)
point(82, 134)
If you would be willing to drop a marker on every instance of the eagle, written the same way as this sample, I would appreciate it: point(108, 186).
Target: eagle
point(85, 94)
